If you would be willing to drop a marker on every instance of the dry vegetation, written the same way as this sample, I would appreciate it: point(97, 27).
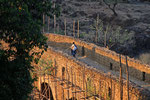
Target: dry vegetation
point(133, 17)
point(145, 58)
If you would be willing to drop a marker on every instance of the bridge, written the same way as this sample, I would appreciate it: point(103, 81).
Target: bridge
point(96, 73)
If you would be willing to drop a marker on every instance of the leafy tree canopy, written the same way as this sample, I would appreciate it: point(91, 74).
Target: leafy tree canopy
point(20, 28)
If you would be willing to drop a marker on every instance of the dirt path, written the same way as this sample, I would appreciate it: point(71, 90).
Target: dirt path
point(98, 66)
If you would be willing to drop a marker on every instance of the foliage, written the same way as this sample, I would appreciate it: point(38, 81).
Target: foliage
point(109, 36)
point(20, 27)
point(61, 32)
point(90, 87)
point(45, 66)
point(82, 34)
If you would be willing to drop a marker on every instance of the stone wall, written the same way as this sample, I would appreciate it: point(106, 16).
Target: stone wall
point(103, 56)
point(79, 74)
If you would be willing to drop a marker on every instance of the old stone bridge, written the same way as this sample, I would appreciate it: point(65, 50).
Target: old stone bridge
point(95, 74)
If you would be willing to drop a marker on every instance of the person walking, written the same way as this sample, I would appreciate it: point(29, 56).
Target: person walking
point(73, 49)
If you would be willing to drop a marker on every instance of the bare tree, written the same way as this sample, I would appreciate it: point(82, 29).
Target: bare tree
point(109, 37)
point(112, 5)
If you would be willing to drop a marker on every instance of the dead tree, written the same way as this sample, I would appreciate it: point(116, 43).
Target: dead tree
point(112, 5)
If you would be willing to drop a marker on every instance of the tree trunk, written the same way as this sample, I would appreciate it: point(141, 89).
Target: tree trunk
point(115, 14)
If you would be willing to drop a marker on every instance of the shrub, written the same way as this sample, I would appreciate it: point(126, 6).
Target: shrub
point(108, 36)
point(145, 58)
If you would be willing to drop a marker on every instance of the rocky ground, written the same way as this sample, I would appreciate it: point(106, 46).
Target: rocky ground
point(133, 16)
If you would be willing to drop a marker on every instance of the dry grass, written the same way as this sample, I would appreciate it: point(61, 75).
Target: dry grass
point(145, 58)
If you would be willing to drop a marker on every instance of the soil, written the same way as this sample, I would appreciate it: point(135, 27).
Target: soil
point(132, 16)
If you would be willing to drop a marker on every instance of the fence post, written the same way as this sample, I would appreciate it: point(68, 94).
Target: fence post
point(43, 22)
point(99, 88)
point(63, 94)
point(111, 87)
point(56, 89)
point(49, 87)
point(65, 27)
point(74, 28)
point(75, 85)
point(57, 28)
point(96, 36)
point(54, 20)
point(72, 81)
point(95, 92)
point(67, 82)
point(120, 80)
point(54, 23)
point(127, 75)
point(83, 82)
point(105, 83)
point(40, 88)
point(48, 23)
point(79, 82)
point(105, 40)
point(86, 90)
point(78, 29)
point(83, 51)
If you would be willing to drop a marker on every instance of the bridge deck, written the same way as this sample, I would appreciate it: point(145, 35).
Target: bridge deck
point(96, 65)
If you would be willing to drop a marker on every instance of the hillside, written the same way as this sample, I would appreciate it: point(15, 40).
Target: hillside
point(131, 16)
